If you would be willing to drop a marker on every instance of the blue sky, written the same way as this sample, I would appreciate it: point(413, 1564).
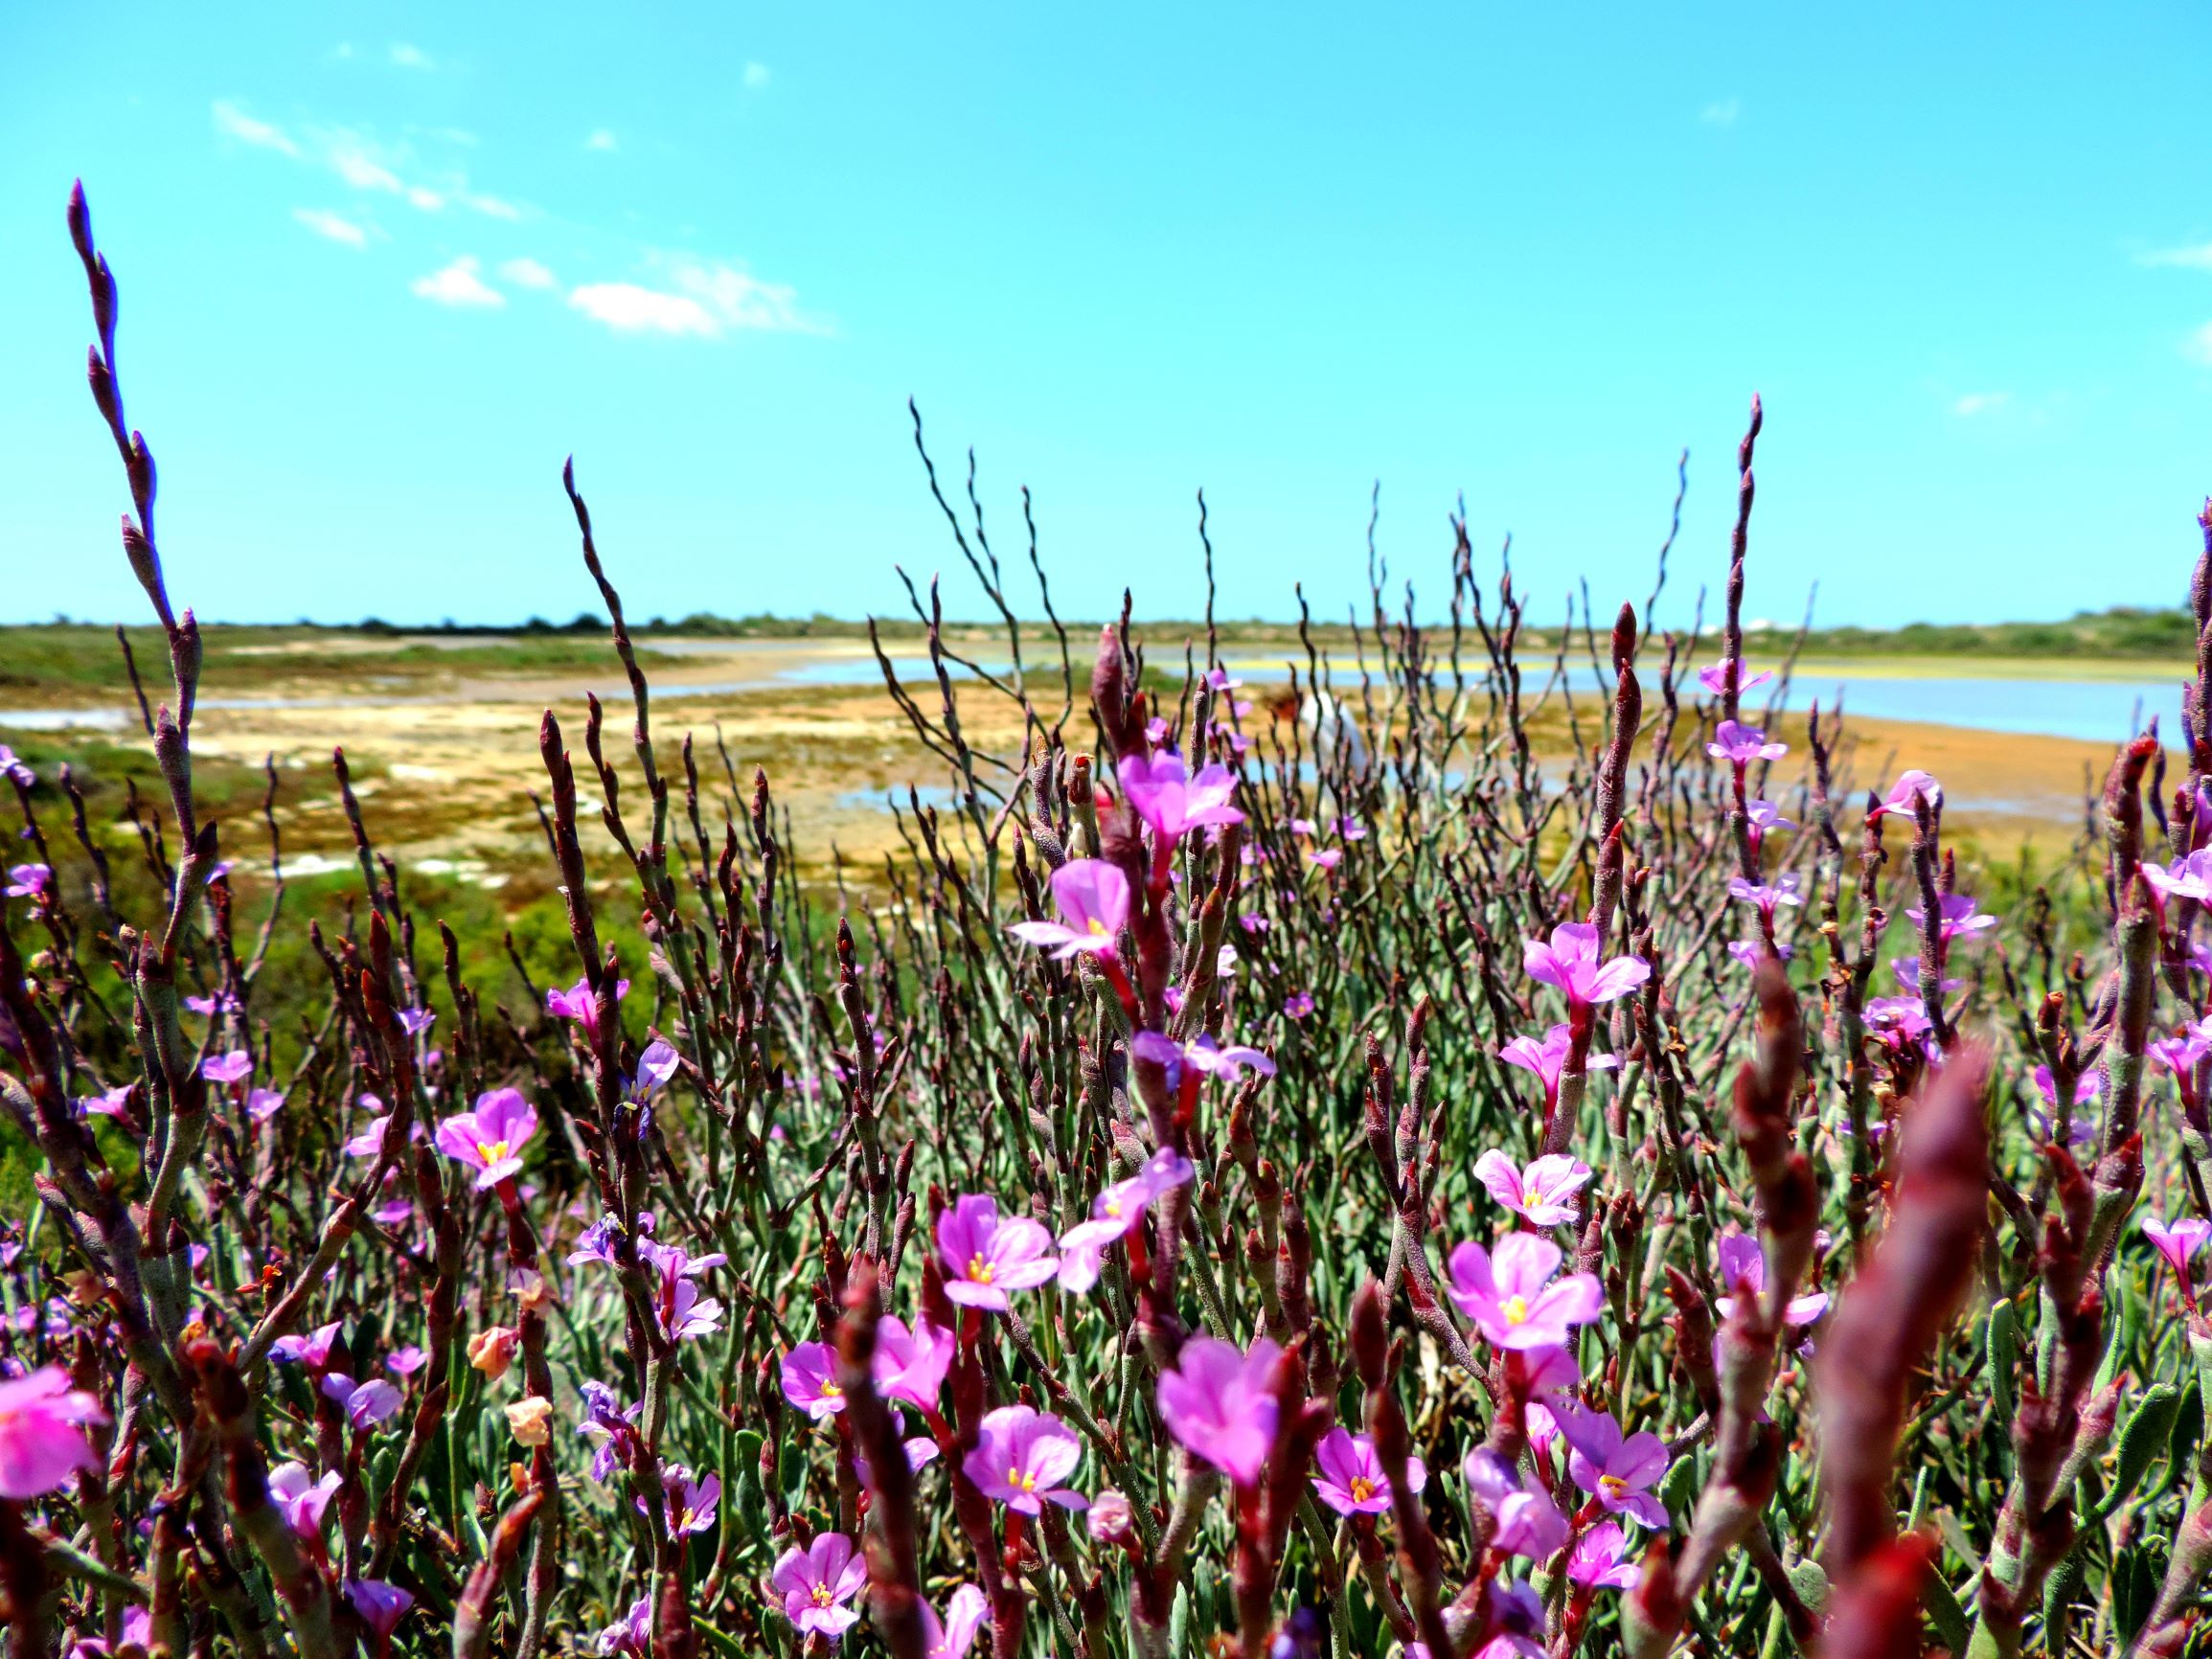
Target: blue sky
point(384, 267)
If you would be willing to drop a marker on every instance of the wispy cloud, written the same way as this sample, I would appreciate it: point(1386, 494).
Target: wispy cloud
point(458, 284)
point(1722, 112)
point(406, 56)
point(232, 122)
point(1972, 403)
point(705, 299)
point(756, 76)
point(603, 141)
point(490, 205)
point(332, 227)
point(2197, 259)
point(528, 273)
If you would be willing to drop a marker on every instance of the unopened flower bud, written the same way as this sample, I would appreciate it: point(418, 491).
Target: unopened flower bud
point(530, 1419)
point(492, 1350)
point(1111, 1519)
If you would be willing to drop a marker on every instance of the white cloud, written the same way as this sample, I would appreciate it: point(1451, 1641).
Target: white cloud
point(490, 206)
point(2198, 259)
point(1972, 403)
point(603, 140)
point(354, 164)
point(334, 227)
point(1722, 112)
point(232, 122)
point(756, 76)
point(2199, 348)
point(458, 284)
point(528, 273)
point(741, 299)
point(428, 201)
point(631, 310)
point(406, 56)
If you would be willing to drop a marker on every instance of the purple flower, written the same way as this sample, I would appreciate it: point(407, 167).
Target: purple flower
point(1542, 1194)
point(1022, 1457)
point(1351, 829)
point(655, 1067)
point(313, 1349)
point(1164, 794)
point(1511, 1297)
point(1896, 1021)
point(262, 1104)
point(1528, 1522)
point(1219, 1405)
point(1907, 968)
point(1202, 1055)
point(684, 1313)
point(690, 1504)
point(1569, 964)
point(490, 1140)
point(2178, 1243)
point(1547, 1060)
point(381, 1606)
point(2189, 878)
point(1743, 1269)
point(405, 1361)
point(1740, 744)
point(1768, 895)
point(631, 1633)
point(1326, 859)
point(810, 1379)
point(985, 1257)
point(578, 1003)
point(1599, 1559)
point(954, 1634)
point(1115, 1214)
point(1218, 680)
point(1298, 1004)
point(230, 1068)
point(611, 1429)
point(1093, 901)
point(1715, 679)
point(27, 881)
point(1909, 787)
point(1751, 952)
point(303, 1502)
point(910, 1365)
point(364, 1404)
point(415, 1021)
point(108, 1102)
point(1765, 815)
point(818, 1582)
point(1958, 916)
point(1352, 1480)
point(42, 1439)
point(1617, 1471)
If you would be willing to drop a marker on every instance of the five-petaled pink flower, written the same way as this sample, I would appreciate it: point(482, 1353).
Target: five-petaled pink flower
point(1715, 679)
point(1617, 1471)
point(2179, 1243)
point(985, 1255)
point(1510, 1295)
point(819, 1582)
point(1352, 1480)
point(1163, 793)
point(1743, 1267)
point(1543, 1194)
point(809, 1373)
point(1093, 901)
point(1217, 1404)
point(1910, 788)
point(1569, 964)
point(490, 1140)
point(42, 1439)
point(1115, 1214)
point(1547, 1060)
point(1740, 744)
point(950, 1637)
point(910, 1364)
point(1022, 1457)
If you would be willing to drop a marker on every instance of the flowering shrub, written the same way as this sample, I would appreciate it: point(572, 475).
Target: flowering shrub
point(1020, 1261)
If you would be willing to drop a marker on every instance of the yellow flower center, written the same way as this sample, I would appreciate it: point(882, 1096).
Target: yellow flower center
point(1019, 1482)
point(1614, 1484)
point(1363, 1488)
point(980, 1270)
point(1516, 1310)
point(831, 1391)
point(1098, 927)
point(821, 1594)
point(1113, 1209)
point(491, 1151)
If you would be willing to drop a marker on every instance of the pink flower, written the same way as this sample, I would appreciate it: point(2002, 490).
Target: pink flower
point(1093, 901)
point(689, 1504)
point(1202, 1055)
point(910, 1365)
point(1298, 1004)
point(1896, 1021)
point(108, 1102)
point(1161, 792)
point(1715, 679)
point(1548, 1058)
point(42, 1439)
point(1217, 1404)
point(1569, 964)
point(1542, 1194)
point(1115, 1214)
point(1617, 1471)
point(1909, 787)
point(405, 1361)
point(379, 1605)
point(1751, 952)
point(1352, 1480)
point(301, 1501)
point(985, 1257)
point(1740, 744)
point(1743, 1269)
point(1764, 815)
point(1908, 972)
point(1528, 1522)
point(1511, 1297)
point(1600, 1559)
point(313, 1349)
point(1351, 829)
point(1327, 858)
point(578, 1003)
point(231, 1068)
point(817, 1582)
point(490, 1140)
point(1218, 680)
point(1023, 1457)
point(1768, 895)
point(27, 881)
point(2189, 878)
point(1958, 916)
point(954, 1634)
point(2178, 1243)
point(809, 1375)
point(262, 1104)
point(365, 1404)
